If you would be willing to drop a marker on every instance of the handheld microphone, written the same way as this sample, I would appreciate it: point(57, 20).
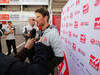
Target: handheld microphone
point(33, 33)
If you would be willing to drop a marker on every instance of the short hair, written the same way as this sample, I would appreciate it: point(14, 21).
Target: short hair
point(9, 22)
point(43, 12)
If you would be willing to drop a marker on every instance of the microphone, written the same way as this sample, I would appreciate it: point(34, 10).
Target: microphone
point(33, 33)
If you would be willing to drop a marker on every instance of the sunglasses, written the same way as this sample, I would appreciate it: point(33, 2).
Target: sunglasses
point(33, 19)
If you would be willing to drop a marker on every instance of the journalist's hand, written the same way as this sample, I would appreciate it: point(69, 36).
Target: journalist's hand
point(29, 44)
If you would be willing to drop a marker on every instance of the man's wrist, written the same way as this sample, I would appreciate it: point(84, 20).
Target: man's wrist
point(26, 48)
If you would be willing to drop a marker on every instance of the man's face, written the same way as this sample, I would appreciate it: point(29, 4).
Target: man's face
point(32, 22)
point(9, 24)
point(40, 19)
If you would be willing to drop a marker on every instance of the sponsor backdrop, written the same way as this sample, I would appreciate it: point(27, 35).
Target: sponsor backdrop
point(24, 2)
point(16, 16)
point(80, 35)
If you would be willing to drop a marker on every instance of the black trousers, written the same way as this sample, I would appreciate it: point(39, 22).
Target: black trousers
point(13, 43)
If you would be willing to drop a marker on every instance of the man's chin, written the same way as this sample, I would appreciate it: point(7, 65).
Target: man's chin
point(40, 25)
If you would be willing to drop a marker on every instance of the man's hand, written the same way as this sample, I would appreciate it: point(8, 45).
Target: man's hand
point(6, 33)
point(28, 35)
point(29, 44)
point(39, 40)
point(11, 31)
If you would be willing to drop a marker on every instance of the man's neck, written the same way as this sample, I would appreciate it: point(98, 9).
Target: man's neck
point(9, 26)
point(45, 25)
point(32, 25)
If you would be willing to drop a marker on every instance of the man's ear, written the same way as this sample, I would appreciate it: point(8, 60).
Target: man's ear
point(46, 17)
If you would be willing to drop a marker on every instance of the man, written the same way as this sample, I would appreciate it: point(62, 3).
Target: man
point(26, 30)
point(10, 38)
point(12, 66)
point(1, 33)
point(27, 35)
point(50, 38)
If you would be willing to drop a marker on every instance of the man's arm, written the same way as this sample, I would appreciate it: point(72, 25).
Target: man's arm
point(37, 68)
point(55, 43)
point(12, 66)
point(6, 33)
point(23, 54)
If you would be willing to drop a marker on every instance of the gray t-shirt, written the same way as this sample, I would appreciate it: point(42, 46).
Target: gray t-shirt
point(9, 36)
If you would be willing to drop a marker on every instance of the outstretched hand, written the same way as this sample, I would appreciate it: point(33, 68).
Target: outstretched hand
point(29, 44)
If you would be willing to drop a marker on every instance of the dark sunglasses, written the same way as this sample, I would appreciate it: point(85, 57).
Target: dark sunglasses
point(33, 19)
